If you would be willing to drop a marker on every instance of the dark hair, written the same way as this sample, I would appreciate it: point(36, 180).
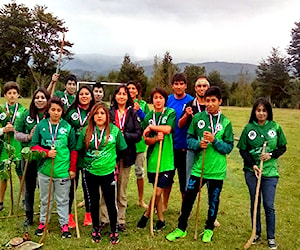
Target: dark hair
point(98, 85)
point(213, 91)
point(178, 77)
point(76, 101)
point(11, 85)
point(33, 111)
point(70, 78)
point(138, 87)
point(160, 91)
point(114, 102)
point(261, 101)
point(58, 101)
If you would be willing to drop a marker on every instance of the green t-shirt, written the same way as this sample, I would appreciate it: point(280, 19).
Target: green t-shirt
point(64, 143)
point(141, 145)
point(26, 123)
point(65, 97)
point(102, 161)
point(3, 121)
point(214, 162)
point(167, 155)
point(252, 139)
point(14, 117)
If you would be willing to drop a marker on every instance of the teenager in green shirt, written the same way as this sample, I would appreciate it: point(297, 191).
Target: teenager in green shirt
point(98, 145)
point(212, 131)
point(142, 109)
point(56, 138)
point(13, 111)
point(25, 127)
point(159, 125)
point(261, 128)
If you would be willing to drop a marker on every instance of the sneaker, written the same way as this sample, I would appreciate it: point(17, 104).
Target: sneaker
point(40, 230)
point(114, 238)
point(256, 239)
point(176, 234)
point(142, 222)
point(207, 235)
point(71, 223)
point(160, 225)
point(65, 233)
point(122, 228)
point(87, 219)
point(96, 235)
point(272, 244)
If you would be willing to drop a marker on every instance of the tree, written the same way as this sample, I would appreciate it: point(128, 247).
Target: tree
point(294, 49)
point(215, 79)
point(192, 72)
point(273, 74)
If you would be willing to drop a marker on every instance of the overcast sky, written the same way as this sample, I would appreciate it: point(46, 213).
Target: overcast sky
point(193, 30)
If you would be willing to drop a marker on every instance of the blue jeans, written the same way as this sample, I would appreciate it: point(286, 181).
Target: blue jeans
point(267, 191)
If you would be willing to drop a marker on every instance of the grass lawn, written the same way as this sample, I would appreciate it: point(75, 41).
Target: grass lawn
point(233, 215)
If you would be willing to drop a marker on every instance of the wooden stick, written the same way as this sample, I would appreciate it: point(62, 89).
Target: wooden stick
point(154, 189)
point(199, 194)
point(22, 215)
point(60, 53)
point(22, 183)
point(11, 209)
point(75, 210)
point(48, 205)
point(250, 241)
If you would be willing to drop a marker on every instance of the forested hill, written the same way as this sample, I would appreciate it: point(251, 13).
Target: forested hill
point(96, 64)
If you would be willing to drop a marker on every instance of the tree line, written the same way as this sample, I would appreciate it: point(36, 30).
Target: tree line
point(30, 40)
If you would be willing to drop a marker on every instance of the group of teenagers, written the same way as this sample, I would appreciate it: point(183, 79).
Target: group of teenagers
point(80, 135)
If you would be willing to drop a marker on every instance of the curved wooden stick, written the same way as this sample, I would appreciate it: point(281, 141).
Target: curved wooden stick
point(199, 194)
point(154, 189)
point(22, 183)
point(75, 210)
point(48, 205)
point(60, 53)
point(249, 242)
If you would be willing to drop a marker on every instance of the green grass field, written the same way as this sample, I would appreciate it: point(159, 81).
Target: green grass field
point(233, 214)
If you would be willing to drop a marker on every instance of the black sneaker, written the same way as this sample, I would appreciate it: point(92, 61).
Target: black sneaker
point(122, 228)
point(96, 235)
point(256, 239)
point(160, 225)
point(272, 244)
point(40, 230)
point(29, 219)
point(114, 238)
point(65, 233)
point(142, 222)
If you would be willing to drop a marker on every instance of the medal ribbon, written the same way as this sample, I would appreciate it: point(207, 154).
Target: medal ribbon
point(198, 106)
point(214, 130)
point(15, 112)
point(122, 119)
point(159, 119)
point(98, 141)
point(53, 137)
point(38, 119)
point(84, 120)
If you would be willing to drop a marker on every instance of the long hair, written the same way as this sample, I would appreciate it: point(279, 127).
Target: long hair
point(114, 102)
point(261, 101)
point(76, 101)
point(33, 111)
point(138, 87)
point(91, 124)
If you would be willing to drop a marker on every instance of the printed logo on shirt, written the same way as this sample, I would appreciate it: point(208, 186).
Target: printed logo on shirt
point(272, 133)
point(74, 116)
point(201, 124)
point(2, 116)
point(62, 131)
point(29, 119)
point(252, 135)
point(164, 120)
point(191, 184)
point(64, 100)
point(150, 122)
point(219, 127)
point(110, 138)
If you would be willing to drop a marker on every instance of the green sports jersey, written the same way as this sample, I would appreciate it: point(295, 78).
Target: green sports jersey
point(64, 143)
point(3, 122)
point(65, 97)
point(252, 139)
point(168, 117)
point(15, 114)
point(141, 145)
point(26, 123)
point(101, 161)
point(214, 162)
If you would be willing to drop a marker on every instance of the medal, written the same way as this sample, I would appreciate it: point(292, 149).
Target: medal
point(97, 141)
point(214, 130)
point(52, 147)
point(53, 137)
point(159, 119)
point(97, 152)
point(79, 116)
point(12, 120)
point(121, 120)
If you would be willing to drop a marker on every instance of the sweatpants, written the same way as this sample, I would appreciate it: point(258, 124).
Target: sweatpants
point(214, 190)
point(61, 189)
point(108, 187)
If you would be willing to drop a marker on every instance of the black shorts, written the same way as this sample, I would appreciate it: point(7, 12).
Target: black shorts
point(165, 179)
